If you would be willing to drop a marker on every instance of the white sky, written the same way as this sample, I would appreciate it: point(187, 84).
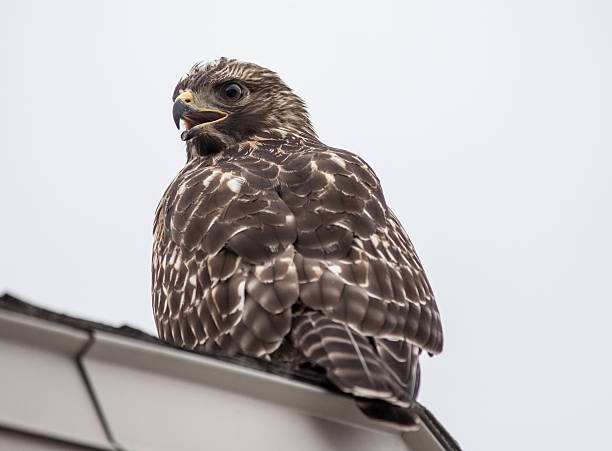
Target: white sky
point(488, 122)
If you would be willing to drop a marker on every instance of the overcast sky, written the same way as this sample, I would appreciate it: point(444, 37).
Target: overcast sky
point(488, 123)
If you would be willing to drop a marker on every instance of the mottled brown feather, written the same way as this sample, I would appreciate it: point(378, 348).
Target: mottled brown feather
point(279, 239)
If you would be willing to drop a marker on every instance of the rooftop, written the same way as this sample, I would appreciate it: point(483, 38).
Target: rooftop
point(73, 384)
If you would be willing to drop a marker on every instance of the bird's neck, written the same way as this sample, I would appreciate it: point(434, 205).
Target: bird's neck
point(209, 146)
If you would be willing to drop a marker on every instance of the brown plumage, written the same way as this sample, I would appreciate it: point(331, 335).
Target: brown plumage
point(272, 244)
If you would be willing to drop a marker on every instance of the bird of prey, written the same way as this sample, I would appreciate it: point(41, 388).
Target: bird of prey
point(272, 244)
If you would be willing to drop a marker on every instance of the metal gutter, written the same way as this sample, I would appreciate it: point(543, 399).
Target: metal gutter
point(96, 387)
point(42, 392)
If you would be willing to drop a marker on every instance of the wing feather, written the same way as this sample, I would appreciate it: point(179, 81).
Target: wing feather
point(358, 247)
point(239, 244)
point(223, 270)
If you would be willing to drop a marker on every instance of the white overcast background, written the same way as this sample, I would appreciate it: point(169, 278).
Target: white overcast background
point(488, 123)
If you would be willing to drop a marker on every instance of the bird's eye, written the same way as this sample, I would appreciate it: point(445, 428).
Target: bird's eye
point(232, 92)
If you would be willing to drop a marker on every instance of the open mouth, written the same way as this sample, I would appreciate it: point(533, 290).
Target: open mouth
point(196, 121)
point(203, 118)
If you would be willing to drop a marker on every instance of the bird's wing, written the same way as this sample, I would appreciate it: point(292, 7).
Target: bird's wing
point(355, 261)
point(357, 267)
point(223, 271)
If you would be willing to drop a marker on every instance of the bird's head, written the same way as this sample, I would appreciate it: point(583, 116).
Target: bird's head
point(226, 102)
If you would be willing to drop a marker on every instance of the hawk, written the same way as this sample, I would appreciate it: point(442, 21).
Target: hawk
point(272, 244)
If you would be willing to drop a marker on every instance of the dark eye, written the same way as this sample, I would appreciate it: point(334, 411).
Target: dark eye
point(232, 92)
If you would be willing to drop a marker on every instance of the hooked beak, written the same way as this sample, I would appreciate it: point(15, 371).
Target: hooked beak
point(196, 119)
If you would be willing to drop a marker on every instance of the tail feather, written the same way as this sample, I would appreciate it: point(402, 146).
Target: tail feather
point(383, 375)
point(402, 360)
point(380, 410)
